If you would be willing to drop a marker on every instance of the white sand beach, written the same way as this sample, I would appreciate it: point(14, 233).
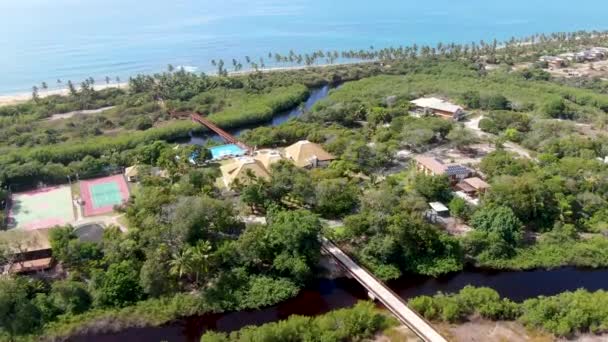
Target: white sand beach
point(11, 99)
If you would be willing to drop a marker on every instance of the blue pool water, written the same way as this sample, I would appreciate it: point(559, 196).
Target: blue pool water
point(219, 152)
point(45, 40)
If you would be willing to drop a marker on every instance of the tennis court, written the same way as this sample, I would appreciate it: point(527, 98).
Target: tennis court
point(42, 208)
point(102, 194)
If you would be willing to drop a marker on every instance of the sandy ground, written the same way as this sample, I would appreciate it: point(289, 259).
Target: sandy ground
point(22, 97)
point(587, 69)
point(479, 330)
point(397, 334)
point(473, 124)
point(454, 226)
point(77, 112)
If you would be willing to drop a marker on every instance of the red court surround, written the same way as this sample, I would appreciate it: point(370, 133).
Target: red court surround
point(85, 194)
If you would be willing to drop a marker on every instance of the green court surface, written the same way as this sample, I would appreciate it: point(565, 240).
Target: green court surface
point(106, 194)
point(42, 208)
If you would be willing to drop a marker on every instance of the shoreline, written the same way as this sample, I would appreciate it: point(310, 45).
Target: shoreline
point(18, 98)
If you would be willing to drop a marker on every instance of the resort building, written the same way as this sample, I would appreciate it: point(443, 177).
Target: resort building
point(267, 157)
point(553, 61)
point(242, 169)
point(439, 107)
point(308, 155)
point(473, 186)
point(589, 55)
point(434, 167)
point(132, 173)
point(28, 250)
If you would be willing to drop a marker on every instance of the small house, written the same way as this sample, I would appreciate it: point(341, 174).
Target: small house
point(473, 186)
point(438, 209)
point(308, 155)
point(28, 250)
point(553, 61)
point(132, 173)
point(434, 167)
point(441, 108)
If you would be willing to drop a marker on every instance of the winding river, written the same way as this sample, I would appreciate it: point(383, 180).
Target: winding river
point(315, 95)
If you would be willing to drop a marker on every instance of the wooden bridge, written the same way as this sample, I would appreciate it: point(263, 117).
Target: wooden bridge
point(213, 127)
point(379, 291)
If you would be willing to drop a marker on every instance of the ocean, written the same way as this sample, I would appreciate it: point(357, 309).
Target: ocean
point(42, 40)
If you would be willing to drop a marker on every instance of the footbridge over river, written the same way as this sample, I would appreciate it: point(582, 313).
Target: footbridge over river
point(213, 127)
point(380, 292)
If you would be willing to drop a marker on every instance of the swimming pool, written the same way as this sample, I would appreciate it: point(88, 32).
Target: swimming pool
point(230, 150)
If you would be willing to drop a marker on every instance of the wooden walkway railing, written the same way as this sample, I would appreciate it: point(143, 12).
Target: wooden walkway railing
point(214, 128)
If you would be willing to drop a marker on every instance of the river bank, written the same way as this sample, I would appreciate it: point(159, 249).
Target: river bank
point(325, 295)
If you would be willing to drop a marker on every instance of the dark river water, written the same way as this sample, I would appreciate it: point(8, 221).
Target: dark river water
point(325, 295)
point(315, 95)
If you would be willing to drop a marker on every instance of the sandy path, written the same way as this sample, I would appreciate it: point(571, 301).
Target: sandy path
point(78, 112)
point(473, 124)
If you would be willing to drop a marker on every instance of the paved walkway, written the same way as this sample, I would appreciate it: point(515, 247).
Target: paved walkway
point(394, 303)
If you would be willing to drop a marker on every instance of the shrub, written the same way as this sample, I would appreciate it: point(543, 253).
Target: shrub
point(470, 300)
point(354, 324)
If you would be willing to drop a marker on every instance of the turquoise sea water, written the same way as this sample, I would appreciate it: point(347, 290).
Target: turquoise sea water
point(42, 40)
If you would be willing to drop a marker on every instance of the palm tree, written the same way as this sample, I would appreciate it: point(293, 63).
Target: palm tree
point(35, 93)
point(71, 88)
point(44, 86)
point(181, 263)
point(107, 79)
point(200, 258)
point(118, 81)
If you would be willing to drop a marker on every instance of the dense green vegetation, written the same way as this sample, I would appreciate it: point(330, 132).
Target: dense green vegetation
point(565, 314)
point(358, 323)
point(188, 252)
point(199, 247)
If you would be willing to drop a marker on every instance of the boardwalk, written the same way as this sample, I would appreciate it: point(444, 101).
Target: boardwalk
point(213, 127)
point(391, 301)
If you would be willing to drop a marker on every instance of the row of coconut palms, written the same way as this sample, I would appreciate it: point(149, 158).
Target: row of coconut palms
point(492, 52)
point(513, 48)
